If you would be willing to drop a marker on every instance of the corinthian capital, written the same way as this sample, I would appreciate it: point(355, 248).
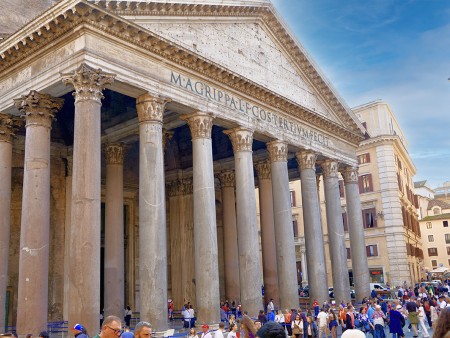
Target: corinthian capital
point(226, 178)
point(306, 159)
point(88, 82)
point(38, 108)
point(7, 127)
point(241, 139)
point(200, 124)
point(278, 151)
point(263, 170)
point(114, 153)
point(330, 168)
point(350, 175)
point(151, 108)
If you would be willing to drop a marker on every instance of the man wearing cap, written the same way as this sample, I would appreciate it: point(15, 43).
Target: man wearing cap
point(205, 333)
point(78, 331)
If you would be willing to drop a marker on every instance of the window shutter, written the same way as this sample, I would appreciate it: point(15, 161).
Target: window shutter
point(369, 176)
point(294, 225)
point(375, 250)
point(374, 218)
point(368, 250)
point(360, 184)
point(344, 219)
point(364, 219)
point(367, 158)
point(293, 199)
point(349, 253)
point(341, 188)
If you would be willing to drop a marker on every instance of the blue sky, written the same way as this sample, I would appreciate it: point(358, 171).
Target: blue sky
point(394, 50)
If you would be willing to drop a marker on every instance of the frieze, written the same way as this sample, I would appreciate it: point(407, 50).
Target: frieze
point(241, 139)
point(34, 38)
point(263, 170)
point(88, 82)
point(227, 179)
point(278, 151)
point(330, 168)
point(151, 108)
point(306, 159)
point(350, 175)
point(200, 124)
point(38, 109)
point(114, 153)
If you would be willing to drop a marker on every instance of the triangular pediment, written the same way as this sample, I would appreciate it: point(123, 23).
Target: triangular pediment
point(245, 48)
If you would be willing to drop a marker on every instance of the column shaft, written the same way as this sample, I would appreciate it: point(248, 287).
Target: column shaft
point(67, 237)
point(247, 224)
point(304, 269)
point(284, 234)
point(336, 236)
point(269, 250)
point(315, 253)
point(205, 233)
point(360, 266)
point(152, 213)
point(6, 133)
point(231, 251)
point(84, 264)
point(114, 287)
point(32, 302)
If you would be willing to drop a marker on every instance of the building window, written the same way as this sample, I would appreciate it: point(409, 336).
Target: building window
point(372, 250)
point(349, 254)
point(429, 225)
point(432, 252)
point(434, 263)
point(293, 198)
point(445, 223)
point(344, 220)
point(436, 211)
point(448, 250)
point(341, 189)
point(365, 183)
point(369, 219)
point(430, 238)
point(447, 238)
point(364, 158)
point(295, 227)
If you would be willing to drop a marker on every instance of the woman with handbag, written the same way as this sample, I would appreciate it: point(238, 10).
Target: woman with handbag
point(297, 327)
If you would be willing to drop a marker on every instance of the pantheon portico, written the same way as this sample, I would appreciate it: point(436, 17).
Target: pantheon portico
point(132, 137)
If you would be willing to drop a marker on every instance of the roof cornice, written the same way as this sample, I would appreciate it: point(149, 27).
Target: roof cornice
point(64, 16)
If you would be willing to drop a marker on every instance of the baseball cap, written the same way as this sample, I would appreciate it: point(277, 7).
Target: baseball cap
point(78, 327)
point(205, 326)
point(398, 307)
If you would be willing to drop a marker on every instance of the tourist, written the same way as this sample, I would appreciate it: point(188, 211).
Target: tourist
point(170, 308)
point(332, 323)
point(248, 326)
point(322, 321)
point(77, 331)
point(352, 333)
point(364, 322)
point(231, 320)
point(219, 331)
point(412, 308)
point(297, 327)
point(42, 334)
point(270, 306)
point(192, 333)
point(192, 315)
point(396, 322)
point(143, 330)
point(127, 332)
point(205, 332)
point(421, 315)
point(279, 318)
point(442, 326)
point(310, 328)
point(271, 330)
point(233, 329)
point(258, 325)
point(186, 316)
point(350, 318)
point(112, 328)
point(378, 318)
point(342, 316)
point(262, 317)
point(287, 321)
point(128, 314)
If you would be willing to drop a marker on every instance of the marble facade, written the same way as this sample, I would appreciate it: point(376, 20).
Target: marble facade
point(187, 100)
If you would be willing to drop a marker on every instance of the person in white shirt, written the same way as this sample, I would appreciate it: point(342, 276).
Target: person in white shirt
point(219, 332)
point(322, 321)
point(422, 316)
point(442, 303)
point(270, 306)
point(187, 316)
point(205, 332)
point(279, 318)
point(233, 330)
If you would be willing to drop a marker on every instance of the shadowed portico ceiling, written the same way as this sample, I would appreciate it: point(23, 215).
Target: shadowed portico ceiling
point(62, 18)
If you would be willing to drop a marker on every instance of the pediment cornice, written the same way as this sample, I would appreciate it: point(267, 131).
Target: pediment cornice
point(105, 16)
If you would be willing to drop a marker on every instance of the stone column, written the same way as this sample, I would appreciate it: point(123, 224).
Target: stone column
point(284, 233)
point(360, 266)
point(85, 227)
point(315, 252)
point(32, 301)
point(152, 212)
point(247, 223)
point(336, 236)
point(6, 137)
point(67, 228)
point(304, 269)
point(231, 252)
point(205, 233)
point(269, 250)
point(114, 285)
